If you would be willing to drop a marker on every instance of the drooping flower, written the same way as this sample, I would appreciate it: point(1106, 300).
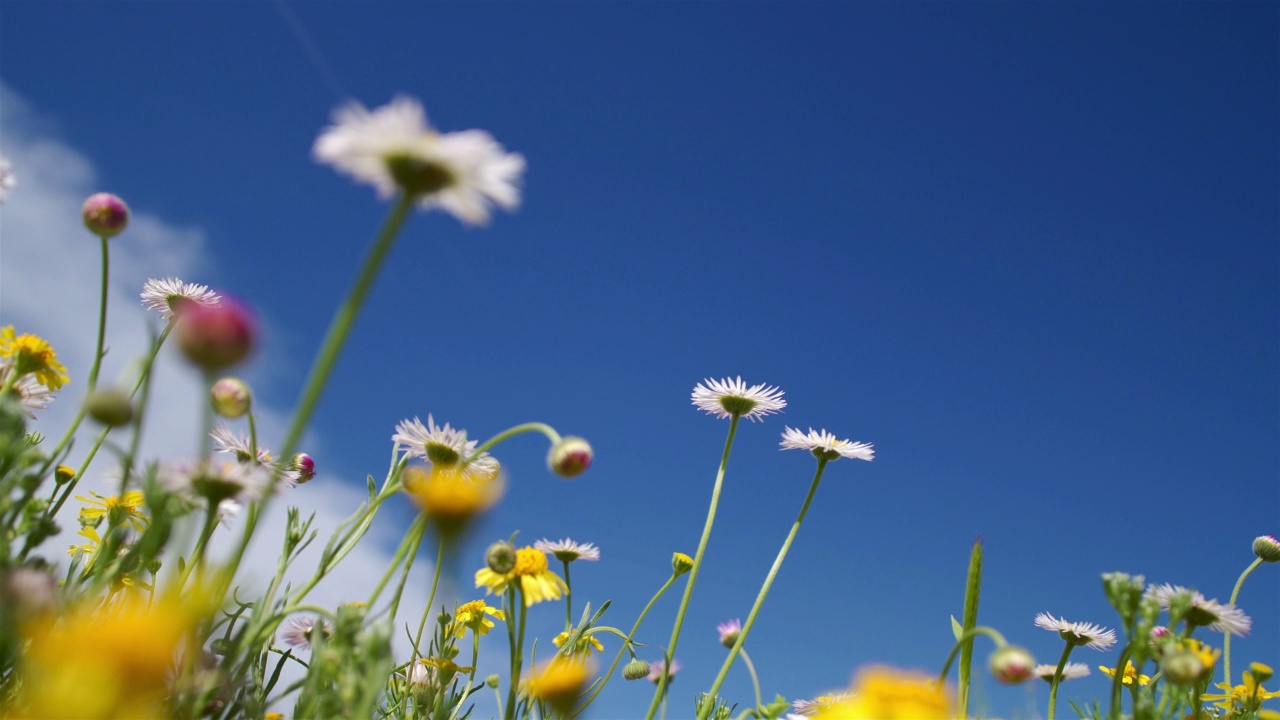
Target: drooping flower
point(1070, 671)
point(167, 295)
point(443, 446)
point(300, 631)
point(729, 632)
point(1131, 674)
point(530, 576)
point(1078, 633)
point(1011, 665)
point(1267, 548)
point(658, 668)
point(471, 616)
point(127, 508)
point(1203, 611)
point(567, 550)
point(729, 398)
point(881, 693)
point(394, 149)
point(584, 646)
point(825, 446)
point(570, 457)
point(30, 354)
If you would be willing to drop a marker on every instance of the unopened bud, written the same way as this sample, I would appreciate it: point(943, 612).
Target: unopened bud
point(216, 337)
point(1182, 667)
point(1261, 673)
point(109, 406)
point(493, 681)
point(681, 563)
point(105, 215)
point(1011, 665)
point(304, 466)
point(501, 557)
point(1267, 547)
point(635, 670)
point(63, 474)
point(570, 457)
point(231, 397)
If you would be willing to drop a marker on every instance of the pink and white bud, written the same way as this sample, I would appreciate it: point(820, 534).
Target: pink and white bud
point(1267, 547)
point(1011, 665)
point(304, 466)
point(231, 397)
point(216, 337)
point(570, 457)
point(105, 215)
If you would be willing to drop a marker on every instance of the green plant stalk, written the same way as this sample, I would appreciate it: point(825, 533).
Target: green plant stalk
point(327, 356)
point(1226, 642)
point(515, 633)
point(568, 599)
point(1117, 680)
point(1057, 679)
point(419, 530)
point(102, 320)
point(410, 540)
point(197, 555)
point(764, 590)
point(973, 585)
point(661, 690)
point(634, 629)
point(511, 432)
point(964, 640)
point(431, 598)
point(755, 679)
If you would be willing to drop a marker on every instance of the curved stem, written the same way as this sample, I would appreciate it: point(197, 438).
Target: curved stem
point(1226, 642)
point(409, 539)
point(1057, 680)
point(1117, 680)
point(964, 641)
point(661, 691)
point(511, 432)
point(755, 679)
point(764, 591)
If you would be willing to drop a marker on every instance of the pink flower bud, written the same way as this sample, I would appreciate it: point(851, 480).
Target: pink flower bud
point(1012, 665)
point(304, 466)
point(231, 397)
point(105, 214)
point(216, 337)
point(570, 457)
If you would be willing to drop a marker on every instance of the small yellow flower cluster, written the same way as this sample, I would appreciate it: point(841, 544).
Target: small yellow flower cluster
point(30, 354)
point(1130, 674)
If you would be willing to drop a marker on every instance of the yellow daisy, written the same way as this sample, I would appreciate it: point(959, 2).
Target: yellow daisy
point(472, 615)
point(530, 575)
point(130, 506)
point(1130, 674)
point(881, 693)
point(1249, 695)
point(584, 647)
point(450, 497)
point(558, 683)
point(32, 354)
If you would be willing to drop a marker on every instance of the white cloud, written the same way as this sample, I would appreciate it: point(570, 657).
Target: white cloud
point(49, 285)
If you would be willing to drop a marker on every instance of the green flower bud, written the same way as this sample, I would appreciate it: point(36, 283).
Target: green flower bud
point(231, 397)
point(501, 557)
point(635, 670)
point(1011, 665)
point(109, 406)
point(1182, 667)
point(1267, 547)
point(105, 215)
point(493, 681)
point(681, 563)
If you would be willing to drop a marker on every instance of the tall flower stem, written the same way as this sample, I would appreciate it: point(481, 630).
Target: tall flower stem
point(973, 585)
point(1057, 679)
point(1226, 642)
point(327, 356)
point(755, 679)
point(764, 591)
point(568, 599)
point(697, 565)
point(431, 598)
point(102, 319)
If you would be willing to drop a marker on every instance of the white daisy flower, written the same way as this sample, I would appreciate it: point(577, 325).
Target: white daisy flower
point(299, 631)
point(419, 675)
point(443, 446)
point(811, 708)
point(218, 482)
point(32, 395)
point(393, 148)
point(7, 180)
point(226, 440)
point(825, 446)
point(1078, 633)
point(1217, 616)
point(1070, 671)
point(165, 295)
point(567, 550)
point(727, 398)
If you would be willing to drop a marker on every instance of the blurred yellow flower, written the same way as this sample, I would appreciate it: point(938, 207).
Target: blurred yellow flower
point(130, 507)
point(1130, 674)
point(32, 354)
point(450, 497)
point(558, 683)
point(472, 616)
point(881, 693)
point(530, 575)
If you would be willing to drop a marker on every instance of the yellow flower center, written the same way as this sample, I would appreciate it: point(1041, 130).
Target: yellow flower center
point(469, 610)
point(530, 562)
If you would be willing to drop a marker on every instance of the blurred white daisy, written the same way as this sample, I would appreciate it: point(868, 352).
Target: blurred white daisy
point(7, 180)
point(1078, 633)
point(811, 708)
point(1070, 671)
point(567, 550)
point(825, 446)
point(301, 630)
point(32, 395)
point(165, 295)
point(218, 482)
point(393, 148)
point(1218, 617)
point(443, 446)
point(727, 398)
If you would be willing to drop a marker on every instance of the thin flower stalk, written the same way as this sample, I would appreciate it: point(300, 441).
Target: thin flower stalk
point(973, 586)
point(1226, 642)
point(764, 590)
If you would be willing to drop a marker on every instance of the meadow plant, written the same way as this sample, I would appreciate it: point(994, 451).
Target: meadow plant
point(134, 621)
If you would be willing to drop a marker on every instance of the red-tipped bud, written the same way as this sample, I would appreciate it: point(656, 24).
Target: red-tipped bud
point(231, 397)
point(1012, 665)
point(218, 337)
point(570, 457)
point(105, 215)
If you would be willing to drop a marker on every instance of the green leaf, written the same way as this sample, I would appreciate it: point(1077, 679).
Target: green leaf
point(956, 628)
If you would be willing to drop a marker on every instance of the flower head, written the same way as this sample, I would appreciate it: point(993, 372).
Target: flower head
point(472, 616)
point(394, 149)
point(681, 563)
point(115, 508)
point(301, 630)
point(825, 446)
point(218, 482)
point(230, 397)
point(530, 575)
point(226, 440)
point(1131, 674)
point(732, 398)
point(558, 683)
point(1070, 671)
point(169, 294)
point(31, 354)
point(444, 446)
point(1011, 665)
point(214, 337)
point(1247, 696)
point(1203, 611)
point(567, 550)
point(105, 215)
point(1078, 633)
point(583, 647)
point(570, 457)
point(659, 668)
point(888, 694)
point(449, 497)
point(729, 632)
point(31, 394)
point(1267, 547)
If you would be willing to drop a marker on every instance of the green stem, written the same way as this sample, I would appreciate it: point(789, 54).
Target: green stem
point(102, 319)
point(626, 645)
point(568, 599)
point(197, 555)
point(410, 538)
point(1117, 680)
point(431, 598)
point(965, 640)
point(764, 590)
point(1057, 679)
point(660, 692)
point(755, 679)
point(419, 531)
point(511, 432)
point(973, 586)
point(1226, 642)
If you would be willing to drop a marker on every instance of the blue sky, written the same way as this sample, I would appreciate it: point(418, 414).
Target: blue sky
point(1028, 250)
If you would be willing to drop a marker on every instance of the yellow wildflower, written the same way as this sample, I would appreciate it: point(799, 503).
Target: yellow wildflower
point(558, 683)
point(1248, 696)
point(881, 693)
point(472, 615)
point(90, 549)
point(451, 497)
point(585, 645)
point(1130, 674)
point(530, 575)
point(130, 506)
point(32, 354)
